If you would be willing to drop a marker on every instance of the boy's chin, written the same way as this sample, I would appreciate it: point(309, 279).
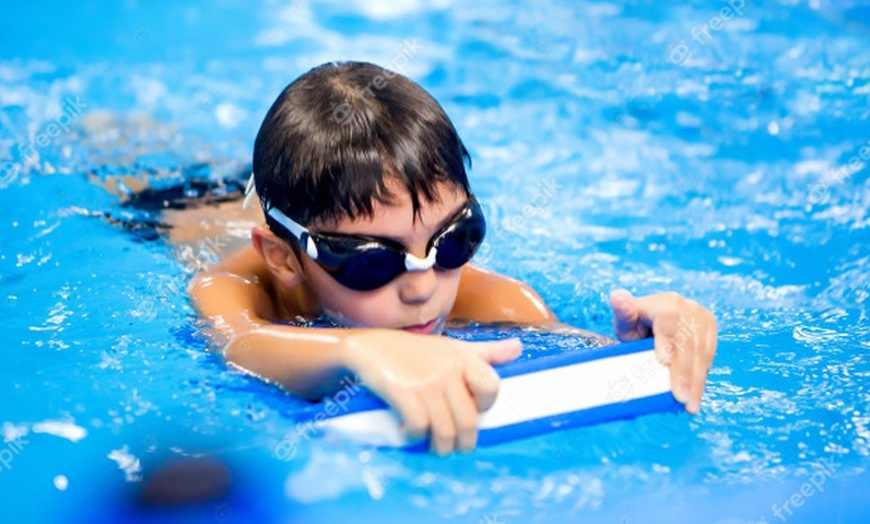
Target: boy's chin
point(342, 321)
point(436, 328)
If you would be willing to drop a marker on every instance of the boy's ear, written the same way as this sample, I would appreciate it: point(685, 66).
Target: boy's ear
point(280, 258)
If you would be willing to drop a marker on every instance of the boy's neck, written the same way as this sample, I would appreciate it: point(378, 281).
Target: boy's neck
point(297, 301)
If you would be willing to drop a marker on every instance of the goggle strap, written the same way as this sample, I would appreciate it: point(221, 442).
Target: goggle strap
point(310, 246)
point(296, 230)
point(250, 192)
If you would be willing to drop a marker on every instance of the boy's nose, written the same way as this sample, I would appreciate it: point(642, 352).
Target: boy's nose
point(416, 287)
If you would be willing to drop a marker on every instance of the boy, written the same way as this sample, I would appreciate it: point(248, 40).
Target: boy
point(371, 222)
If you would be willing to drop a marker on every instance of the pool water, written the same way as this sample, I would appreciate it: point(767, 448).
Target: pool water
point(712, 148)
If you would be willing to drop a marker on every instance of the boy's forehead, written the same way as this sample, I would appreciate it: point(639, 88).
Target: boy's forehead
point(397, 220)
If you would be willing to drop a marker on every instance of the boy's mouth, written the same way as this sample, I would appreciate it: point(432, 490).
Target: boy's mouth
point(424, 329)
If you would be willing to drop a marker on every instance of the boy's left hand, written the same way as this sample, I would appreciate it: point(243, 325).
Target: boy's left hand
point(685, 337)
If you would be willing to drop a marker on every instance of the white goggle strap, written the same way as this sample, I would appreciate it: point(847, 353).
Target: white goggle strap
point(296, 230)
point(249, 192)
point(413, 263)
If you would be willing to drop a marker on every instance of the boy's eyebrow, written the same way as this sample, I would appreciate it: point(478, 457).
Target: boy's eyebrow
point(395, 240)
point(438, 228)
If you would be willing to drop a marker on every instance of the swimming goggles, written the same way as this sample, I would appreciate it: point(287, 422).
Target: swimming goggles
point(364, 263)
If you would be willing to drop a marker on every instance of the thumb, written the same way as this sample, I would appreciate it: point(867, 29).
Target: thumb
point(498, 352)
point(626, 315)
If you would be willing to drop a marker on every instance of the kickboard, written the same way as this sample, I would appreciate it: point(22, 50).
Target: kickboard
point(537, 396)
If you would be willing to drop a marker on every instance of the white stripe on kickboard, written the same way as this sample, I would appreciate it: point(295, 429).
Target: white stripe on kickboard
point(531, 396)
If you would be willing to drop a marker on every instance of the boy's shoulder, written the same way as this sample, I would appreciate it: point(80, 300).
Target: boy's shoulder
point(486, 296)
point(242, 285)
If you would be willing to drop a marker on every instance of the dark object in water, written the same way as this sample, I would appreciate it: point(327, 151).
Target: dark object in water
point(186, 482)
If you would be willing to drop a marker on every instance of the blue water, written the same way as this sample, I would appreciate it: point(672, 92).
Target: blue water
point(668, 150)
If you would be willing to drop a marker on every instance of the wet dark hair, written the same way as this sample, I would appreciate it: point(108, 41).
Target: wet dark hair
point(338, 133)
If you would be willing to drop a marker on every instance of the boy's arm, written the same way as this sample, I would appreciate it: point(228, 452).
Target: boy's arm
point(233, 298)
point(436, 384)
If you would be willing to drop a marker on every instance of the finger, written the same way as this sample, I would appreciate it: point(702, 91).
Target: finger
point(695, 336)
point(497, 352)
point(414, 415)
point(651, 308)
point(464, 415)
point(664, 349)
point(482, 382)
point(712, 340)
point(442, 427)
point(703, 362)
point(667, 336)
point(625, 316)
point(699, 379)
point(681, 365)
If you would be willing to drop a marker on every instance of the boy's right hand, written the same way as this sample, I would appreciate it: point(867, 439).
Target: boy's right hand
point(435, 383)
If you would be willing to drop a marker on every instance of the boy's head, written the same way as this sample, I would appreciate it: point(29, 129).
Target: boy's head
point(352, 148)
point(338, 134)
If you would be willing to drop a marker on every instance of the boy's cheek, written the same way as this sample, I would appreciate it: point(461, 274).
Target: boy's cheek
point(356, 316)
point(356, 309)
